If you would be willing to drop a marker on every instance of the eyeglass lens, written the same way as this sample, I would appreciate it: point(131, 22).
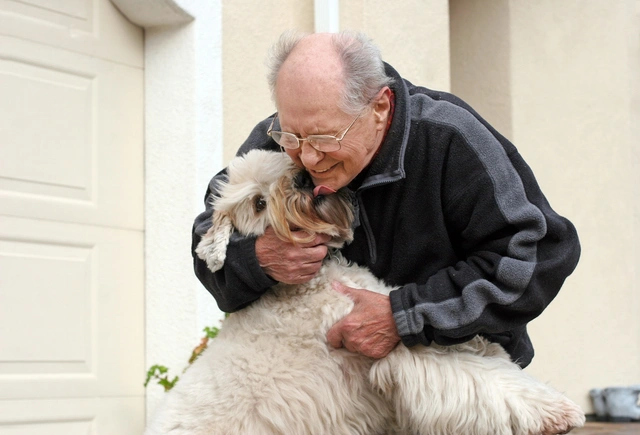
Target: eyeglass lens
point(321, 143)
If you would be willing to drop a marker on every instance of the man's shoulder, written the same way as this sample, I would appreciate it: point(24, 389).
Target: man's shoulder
point(439, 108)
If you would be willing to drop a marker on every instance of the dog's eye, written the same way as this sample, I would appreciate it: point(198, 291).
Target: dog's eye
point(259, 203)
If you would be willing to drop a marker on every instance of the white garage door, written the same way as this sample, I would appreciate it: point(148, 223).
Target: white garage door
point(71, 219)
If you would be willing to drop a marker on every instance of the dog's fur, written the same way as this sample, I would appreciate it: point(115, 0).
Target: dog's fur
point(271, 371)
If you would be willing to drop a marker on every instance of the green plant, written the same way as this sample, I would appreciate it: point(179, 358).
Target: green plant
point(159, 373)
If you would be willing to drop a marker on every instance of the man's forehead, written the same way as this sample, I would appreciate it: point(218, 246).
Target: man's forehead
point(321, 121)
point(306, 96)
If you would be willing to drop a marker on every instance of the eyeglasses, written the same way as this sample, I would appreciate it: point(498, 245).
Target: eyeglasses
point(322, 142)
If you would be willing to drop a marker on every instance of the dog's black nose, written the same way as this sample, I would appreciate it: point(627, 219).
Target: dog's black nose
point(303, 181)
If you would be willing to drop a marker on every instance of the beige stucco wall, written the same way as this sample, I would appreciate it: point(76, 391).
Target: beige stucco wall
point(560, 78)
point(249, 28)
point(480, 59)
point(413, 38)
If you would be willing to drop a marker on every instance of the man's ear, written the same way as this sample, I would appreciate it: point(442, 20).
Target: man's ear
point(382, 106)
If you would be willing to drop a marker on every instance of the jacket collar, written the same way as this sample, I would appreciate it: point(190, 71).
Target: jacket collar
point(388, 165)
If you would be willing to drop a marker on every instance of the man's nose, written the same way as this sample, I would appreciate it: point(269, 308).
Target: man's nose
point(309, 155)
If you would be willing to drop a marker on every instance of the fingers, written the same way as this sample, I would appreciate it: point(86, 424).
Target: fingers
point(369, 329)
point(288, 271)
point(345, 290)
point(334, 336)
point(288, 262)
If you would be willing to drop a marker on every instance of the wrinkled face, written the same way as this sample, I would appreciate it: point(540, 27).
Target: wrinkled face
point(267, 189)
point(334, 169)
point(308, 93)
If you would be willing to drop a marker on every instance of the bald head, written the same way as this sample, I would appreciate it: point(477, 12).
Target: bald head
point(314, 56)
point(312, 77)
point(344, 66)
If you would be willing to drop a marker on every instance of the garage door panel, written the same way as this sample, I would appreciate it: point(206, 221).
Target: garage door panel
point(84, 26)
point(80, 427)
point(69, 328)
point(49, 138)
point(46, 311)
point(68, 152)
point(109, 415)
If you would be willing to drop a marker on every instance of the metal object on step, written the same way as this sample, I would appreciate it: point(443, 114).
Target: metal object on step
point(616, 403)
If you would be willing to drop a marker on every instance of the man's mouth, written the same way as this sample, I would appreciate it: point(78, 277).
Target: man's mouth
point(321, 172)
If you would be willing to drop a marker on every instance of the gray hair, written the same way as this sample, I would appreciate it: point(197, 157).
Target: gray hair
point(364, 73)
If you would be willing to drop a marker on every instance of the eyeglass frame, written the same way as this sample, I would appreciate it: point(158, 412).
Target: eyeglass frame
point(301, 139)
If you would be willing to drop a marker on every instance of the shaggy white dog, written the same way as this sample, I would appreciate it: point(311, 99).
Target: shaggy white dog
point(271, 371)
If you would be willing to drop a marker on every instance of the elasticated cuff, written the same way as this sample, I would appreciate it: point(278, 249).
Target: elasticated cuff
point(400, 315)
point(241, 256)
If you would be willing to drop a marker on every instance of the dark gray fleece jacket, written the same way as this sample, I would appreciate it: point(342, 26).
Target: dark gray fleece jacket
point(449, 211)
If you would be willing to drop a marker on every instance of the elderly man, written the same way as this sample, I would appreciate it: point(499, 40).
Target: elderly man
point(447, 209)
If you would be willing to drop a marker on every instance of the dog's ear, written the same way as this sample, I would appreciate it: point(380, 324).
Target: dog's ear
point(213, 246)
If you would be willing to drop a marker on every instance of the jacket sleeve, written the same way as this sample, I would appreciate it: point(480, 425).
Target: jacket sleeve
point(241, 280)
point(514, 251)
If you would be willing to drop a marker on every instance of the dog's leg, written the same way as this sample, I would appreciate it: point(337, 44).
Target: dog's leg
point(213, 246)
point(438, 391)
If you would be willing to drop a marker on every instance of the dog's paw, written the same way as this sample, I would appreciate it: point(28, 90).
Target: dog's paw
point(208, 251)
point(569, 416)
point(213, 246)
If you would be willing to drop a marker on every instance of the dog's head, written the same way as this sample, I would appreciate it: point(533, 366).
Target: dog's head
point(266, 189)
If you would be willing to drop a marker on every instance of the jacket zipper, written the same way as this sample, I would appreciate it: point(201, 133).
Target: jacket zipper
point(371, 241)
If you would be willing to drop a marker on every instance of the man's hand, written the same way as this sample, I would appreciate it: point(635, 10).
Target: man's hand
point(369, 329)
point(288, 262)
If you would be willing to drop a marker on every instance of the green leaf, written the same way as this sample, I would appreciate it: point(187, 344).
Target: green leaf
point(154, 372)
point(212, 331)
point(167, 384)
